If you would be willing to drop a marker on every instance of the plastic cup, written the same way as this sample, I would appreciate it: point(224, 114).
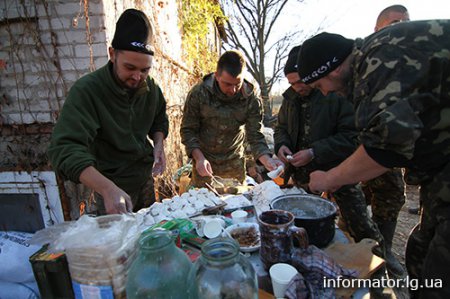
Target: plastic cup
point(239, 216)
point(213, 228)
point(281, 274)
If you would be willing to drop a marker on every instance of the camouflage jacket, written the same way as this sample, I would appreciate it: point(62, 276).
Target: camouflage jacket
point(324, 123)
point(217, 124)
point(401, 92)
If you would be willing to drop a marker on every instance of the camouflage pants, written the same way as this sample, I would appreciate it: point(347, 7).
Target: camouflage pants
point(142, 198)
point(228, 169)
point(353, 209)
point(386, 195)
point(428, 249)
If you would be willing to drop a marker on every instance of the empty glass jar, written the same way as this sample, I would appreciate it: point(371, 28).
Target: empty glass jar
point(160, 269)
point(221, 272)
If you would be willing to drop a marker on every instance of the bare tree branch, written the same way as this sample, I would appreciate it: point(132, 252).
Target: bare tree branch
point(250, 29)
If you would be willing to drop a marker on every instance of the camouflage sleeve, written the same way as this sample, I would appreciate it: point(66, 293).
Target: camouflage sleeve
point(387, 99)
point(253, 126)
point(190, 123)
point(281, 134)
point(343, 142)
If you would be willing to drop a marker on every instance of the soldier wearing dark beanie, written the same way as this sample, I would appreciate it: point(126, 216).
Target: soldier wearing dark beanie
point(321, 54)
point(133, 32)
point(110, 133)
point(291, 63)
point(398, 81)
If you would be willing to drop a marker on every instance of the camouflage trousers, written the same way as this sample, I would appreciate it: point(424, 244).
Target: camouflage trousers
point(386, 195)
point(142, 198)
point(226, 169)
point(428, 248)
point(353, 210)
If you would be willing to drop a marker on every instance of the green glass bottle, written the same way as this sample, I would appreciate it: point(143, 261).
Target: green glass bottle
point(160, 270)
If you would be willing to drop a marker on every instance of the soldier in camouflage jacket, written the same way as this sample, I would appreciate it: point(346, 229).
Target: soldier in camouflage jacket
point(399, 80)
point(219, 113)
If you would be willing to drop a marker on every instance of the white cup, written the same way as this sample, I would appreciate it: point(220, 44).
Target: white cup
point(210, 228)
point(281, 274)
point(213, 228)
point(239, 216)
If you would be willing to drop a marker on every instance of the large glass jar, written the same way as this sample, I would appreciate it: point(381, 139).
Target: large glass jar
point(221, 272)
point(160, 269)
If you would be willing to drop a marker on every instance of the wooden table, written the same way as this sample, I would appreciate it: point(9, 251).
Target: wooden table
point(264, 295)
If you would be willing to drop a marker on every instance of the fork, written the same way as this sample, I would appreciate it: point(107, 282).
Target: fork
point(215, 178)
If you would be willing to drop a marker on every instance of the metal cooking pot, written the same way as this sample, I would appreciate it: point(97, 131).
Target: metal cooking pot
point(311, 212)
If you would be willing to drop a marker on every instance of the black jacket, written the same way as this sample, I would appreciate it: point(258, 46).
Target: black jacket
point(324, 123)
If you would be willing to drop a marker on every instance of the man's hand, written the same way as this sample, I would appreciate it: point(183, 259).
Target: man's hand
point(117, 201)
point(159, 166)
point(301, 158)
point(283, 154)
point(321, 181)
point(356, 168)
point(269, 163)
point(204, 168)
point(202, 165)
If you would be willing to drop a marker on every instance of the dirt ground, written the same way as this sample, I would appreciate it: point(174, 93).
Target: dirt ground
point(406, 222)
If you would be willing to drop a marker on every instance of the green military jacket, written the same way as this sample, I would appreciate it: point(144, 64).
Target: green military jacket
point(401, 94)
point(217, 124)
point(100, 125)
point(324, 123)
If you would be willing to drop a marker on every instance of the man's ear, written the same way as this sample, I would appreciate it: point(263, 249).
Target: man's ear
point(111, 53)
point(337, 71)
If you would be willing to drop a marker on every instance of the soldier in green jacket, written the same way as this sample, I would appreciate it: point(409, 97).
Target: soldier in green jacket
point(398, 79)
point(318, 132)
point(219, 113)
point(100, 138)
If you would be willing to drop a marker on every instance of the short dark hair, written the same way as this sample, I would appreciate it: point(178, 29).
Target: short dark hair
point(232, 62)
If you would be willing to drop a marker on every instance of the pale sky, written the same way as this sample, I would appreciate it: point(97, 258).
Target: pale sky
point(352, 18)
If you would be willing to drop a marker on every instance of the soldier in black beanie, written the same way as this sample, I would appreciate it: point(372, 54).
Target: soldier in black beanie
point(133, 32)
point(398, 80)
point(318, 132)
point(101, 137)
point(317, 62)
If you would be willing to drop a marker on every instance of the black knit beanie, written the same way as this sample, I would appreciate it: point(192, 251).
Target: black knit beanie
point(133, 32)
point(322, 54)
point(291, 63)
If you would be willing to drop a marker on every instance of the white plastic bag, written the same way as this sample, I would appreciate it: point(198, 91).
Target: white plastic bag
point(99, 251)
point(15, 251)
point(11, 290)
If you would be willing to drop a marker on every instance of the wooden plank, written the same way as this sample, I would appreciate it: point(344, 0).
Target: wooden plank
point(356, 256)
point(264, 295)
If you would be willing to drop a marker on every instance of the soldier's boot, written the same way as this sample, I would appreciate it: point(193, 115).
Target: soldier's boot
point(393, 266)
